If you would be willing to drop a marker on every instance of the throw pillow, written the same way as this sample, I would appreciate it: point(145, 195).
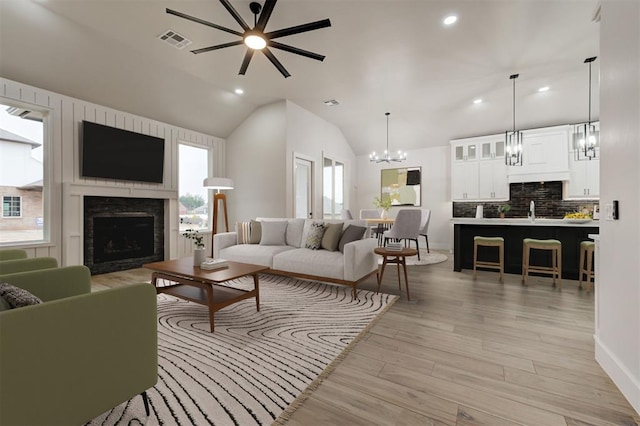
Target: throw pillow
point(243, 232)
point(17, 297)
point(352, 233)
point(295, 229)
point(273, 233)
point(256, 232)
point(331, 236)
point(314, 237)
point(4, 305)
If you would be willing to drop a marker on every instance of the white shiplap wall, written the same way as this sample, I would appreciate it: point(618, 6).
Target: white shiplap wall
point(67, 187)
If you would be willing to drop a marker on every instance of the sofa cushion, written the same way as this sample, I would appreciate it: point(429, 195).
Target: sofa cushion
point(294, 232)
point(256, 232)
point(273, 234)
point(352, 233)
point(314, 236)
point(321, 263)
point(243, 232)
point(331, 236)
point(253, 253)
point(17, 297)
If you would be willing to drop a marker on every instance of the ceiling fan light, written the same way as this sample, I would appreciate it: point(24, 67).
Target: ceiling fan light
point(255, 41)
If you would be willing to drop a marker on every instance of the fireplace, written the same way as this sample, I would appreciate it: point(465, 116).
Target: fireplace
point(122, 233)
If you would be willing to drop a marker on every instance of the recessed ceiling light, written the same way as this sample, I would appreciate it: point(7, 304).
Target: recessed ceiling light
point(477, 101)
point(450, 20)
point(239, 91)
point(543, 89)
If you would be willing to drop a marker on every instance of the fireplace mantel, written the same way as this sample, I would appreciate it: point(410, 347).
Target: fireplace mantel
point(73, 217)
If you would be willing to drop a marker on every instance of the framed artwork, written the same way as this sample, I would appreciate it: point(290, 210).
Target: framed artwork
point(402, 186)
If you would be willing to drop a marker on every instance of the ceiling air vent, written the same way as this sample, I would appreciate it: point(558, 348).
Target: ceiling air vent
point(174, 39)
point(331, 102)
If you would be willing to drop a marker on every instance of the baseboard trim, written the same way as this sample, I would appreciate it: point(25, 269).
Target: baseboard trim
point(621, 376)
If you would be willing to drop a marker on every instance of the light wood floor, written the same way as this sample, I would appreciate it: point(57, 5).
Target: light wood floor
point(467, 353)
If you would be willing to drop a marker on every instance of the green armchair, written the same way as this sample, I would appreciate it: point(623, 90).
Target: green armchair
point(10, 254)
point(12, 266)
point(78, 354)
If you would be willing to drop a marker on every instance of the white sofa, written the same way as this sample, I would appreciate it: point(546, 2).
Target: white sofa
point(355, 264)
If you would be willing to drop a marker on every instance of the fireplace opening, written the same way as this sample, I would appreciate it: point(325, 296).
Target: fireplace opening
point(118, 238)
point(122, 233)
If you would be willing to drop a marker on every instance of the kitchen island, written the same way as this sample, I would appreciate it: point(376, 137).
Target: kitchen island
point(570, 233)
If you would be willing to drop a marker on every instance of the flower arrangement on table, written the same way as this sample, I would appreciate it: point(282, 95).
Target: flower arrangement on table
point(384, 204)
point(193, 234)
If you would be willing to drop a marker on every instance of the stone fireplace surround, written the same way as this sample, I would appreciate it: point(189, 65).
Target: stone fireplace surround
point(134, 215)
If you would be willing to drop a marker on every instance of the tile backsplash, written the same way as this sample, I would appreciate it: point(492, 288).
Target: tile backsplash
point(547, 197)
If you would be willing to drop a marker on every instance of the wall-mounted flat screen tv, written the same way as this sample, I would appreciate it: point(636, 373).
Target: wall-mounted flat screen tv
point(113, 153)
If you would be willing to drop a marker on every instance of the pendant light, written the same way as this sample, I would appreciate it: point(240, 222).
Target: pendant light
point(513, 139)
point(585, 135)
point(387, 157)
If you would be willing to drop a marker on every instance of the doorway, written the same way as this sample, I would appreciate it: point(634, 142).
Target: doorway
point(302, 178)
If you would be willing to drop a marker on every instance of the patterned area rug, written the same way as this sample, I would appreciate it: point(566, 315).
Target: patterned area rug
point(425, 258)
point(258, 366)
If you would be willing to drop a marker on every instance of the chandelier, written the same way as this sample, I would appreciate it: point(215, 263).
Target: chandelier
point(513, 139)
point(387, 157)
point(585, 135)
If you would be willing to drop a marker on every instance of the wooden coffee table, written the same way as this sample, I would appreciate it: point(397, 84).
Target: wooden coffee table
point(397, 257)
point(205, 286)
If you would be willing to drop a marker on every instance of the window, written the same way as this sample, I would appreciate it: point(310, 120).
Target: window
point(193, 169)
point(11, 206)
point(332, 189)
point(23, 184)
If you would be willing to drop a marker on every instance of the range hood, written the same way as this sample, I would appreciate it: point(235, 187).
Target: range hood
point(545, 156)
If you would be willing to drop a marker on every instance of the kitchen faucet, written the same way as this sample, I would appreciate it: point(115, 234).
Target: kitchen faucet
point(532, 211)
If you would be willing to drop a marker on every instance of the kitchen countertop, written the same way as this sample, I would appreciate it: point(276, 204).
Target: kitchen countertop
point(524, 221)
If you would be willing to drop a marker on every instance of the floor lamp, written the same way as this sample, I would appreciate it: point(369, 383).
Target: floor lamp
point(218, 183)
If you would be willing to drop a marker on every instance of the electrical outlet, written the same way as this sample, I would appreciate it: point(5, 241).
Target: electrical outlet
point(608, 211)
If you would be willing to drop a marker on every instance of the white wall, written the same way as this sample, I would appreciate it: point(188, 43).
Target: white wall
point(260, 156)
point(64, 201)
point(17, 166)
point(435, 187)
point(618, 289)
point(256, 163)
point(313, 137)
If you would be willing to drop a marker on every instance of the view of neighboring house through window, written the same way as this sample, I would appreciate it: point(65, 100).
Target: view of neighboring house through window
point(22, 181)
point(193, 169)
point(332, 188)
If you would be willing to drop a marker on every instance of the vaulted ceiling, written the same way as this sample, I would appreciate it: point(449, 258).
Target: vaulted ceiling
point(381, 56)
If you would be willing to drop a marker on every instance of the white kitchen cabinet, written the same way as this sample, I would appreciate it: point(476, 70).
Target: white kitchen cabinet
point(584, 180)
point(478, 171)
point(492, 170)
point(464, 181)
point(464, 170)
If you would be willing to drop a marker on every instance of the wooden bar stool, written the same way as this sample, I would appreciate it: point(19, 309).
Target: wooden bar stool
point(488, 242)
point(556, 259)
point(586, 251)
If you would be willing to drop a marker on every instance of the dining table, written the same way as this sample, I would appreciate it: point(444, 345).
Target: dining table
point(378, 226)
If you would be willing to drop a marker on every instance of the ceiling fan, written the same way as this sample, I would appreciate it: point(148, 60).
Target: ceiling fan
point(255, 38)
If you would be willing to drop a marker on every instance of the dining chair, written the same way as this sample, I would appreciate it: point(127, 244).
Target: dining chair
point(424, 227)
point(372, 214)
point(346, 214)
point(406, 227)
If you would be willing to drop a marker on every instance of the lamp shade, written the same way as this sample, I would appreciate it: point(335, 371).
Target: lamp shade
point(218, 183)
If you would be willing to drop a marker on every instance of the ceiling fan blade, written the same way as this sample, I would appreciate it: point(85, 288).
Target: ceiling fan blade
point(235, 14)
point(299, 29)
point(295, 50)
point(203, 22)
point(276, 62)
point(265, 14)
point(217, 46)
point(245, 61)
